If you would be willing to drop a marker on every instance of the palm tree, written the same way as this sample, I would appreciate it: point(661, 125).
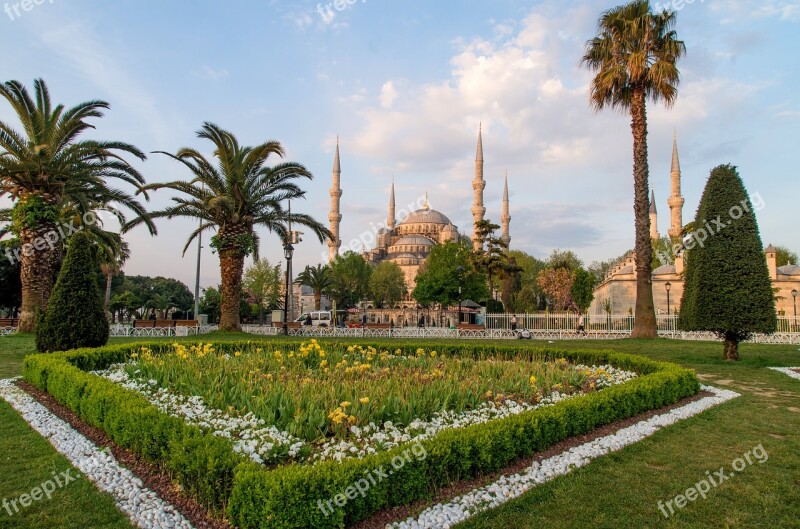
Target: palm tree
point(634, 57)
point(318, 278)
point(112, 258)
point(44, 169)
point(234, 197)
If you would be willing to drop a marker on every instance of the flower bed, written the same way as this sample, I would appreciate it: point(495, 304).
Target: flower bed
point(270, 431)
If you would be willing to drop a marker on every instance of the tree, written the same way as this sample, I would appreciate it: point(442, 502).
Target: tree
point(111, 262)
point(634, 56)
point(564, 259)
point(387, 285)
point(785, 256)
point(449, 266)
point(530, 297)
point(491, 258)
point(350, 275)
point(727, 288)
point(263, 282)
point(317, 278)
point(75, 317)
point(582, 290)
point(512, 285)
point(210, 304)
point(556, 283)
point(46, 169)
point(127, 302)
point(238, 195)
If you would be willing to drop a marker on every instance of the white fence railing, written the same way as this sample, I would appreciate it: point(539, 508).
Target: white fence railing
point(121, 330)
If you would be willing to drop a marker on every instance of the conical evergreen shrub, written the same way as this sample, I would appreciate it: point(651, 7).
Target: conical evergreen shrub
point(727, 286)
point(74, 316)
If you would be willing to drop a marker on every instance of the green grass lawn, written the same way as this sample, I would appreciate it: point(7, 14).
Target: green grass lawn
point(619, 490)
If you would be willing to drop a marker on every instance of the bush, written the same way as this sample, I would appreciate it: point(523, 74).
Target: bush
point(289, 496)
point(74, 316)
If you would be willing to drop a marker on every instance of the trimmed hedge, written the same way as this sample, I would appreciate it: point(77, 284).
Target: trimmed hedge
point(289, 496)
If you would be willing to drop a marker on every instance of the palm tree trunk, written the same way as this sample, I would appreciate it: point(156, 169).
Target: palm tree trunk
point(317, 299)
point(38, 262)
point(231, 264)
point(645, 322)
point(108, 294)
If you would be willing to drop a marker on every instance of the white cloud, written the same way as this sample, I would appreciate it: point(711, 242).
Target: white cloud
point(388, 94)
point(207, 72)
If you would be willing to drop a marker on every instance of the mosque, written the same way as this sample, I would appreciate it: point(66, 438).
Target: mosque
point(408, 243)
point(617, 291)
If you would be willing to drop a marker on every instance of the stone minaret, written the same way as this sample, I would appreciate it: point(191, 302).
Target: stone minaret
point(478, 185)
point(335, 216)
point(675, 200)
point(653, 217)
point(391, 220)
point(505, 217)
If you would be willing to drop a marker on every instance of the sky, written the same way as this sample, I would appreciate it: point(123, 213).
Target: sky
point(405, 86)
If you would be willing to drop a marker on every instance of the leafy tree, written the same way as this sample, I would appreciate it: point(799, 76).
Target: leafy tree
point(449, 266)
point(491, 259)
point(530, 297)
point(512, 285)
point(663, 252)
point(564, 259)
point(317, 278)
point(785, 256)
point(263, 282)
point(111, 262)
point(234, 197)
point(46, 168)
point(582, 291)
point(210, 304)
point(75, 317)
point(350, 274)
point(10, 286)
point(634, 56)
point(727, 288)
point(126, 301)
point(387, 285)
point(556, 283)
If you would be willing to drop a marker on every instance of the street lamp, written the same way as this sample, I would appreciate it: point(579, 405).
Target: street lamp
point(288, 250)
point(459, 274)
point(794, 303)
point(668, 287)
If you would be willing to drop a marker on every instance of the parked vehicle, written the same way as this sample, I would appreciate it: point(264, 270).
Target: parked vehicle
point(319, 318)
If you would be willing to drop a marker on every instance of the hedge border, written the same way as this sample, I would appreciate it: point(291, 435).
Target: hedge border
point(288, 497)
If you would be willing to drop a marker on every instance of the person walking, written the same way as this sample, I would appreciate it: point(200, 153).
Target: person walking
point(581, 328)
point(513, 322)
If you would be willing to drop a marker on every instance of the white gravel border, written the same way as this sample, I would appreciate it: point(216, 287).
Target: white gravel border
point(788, 371)
point(446, 515)
point(143, 506)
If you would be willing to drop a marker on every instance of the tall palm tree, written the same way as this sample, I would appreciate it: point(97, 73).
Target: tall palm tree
point(45, 168)
point(318, 278)
point(634, 57)
point(234, 197)
point(112, 258)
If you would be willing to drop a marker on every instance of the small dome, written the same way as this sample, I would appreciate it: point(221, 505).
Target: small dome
point(450, 229)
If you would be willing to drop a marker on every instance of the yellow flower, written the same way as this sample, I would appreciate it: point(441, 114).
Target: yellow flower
point(533, 380)
point(364, 400)
point(352, 419)
point(433, 354)
point(489, 394)
point(345, 404)
point(237, 354)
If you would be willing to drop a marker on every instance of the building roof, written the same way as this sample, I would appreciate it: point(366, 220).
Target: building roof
point(426, 216)
point(665, 270)
point(770, 249)
point(789, 270)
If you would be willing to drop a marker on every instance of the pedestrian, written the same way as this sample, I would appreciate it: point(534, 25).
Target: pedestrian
point(421, 322)
point(364, 320)
point(581, 328)
point(513, 322)
point(308, 320)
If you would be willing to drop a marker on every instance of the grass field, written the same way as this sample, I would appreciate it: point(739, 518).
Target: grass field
point(620, 490)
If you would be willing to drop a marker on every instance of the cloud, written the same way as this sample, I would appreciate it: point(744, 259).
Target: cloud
point(388, 94)
point(207, 72)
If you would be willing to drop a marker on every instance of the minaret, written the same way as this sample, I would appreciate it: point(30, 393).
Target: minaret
point(478, 185)
point(675, 200)
point(653, 217)
point(391, 220)
point(505, 217)
point(335, 216)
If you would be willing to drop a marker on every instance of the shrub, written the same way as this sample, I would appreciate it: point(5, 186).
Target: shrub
point(727, 288)
point(74, 316)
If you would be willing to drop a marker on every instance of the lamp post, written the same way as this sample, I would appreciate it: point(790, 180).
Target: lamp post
point(668, 287)
point(459, 274)
point(794, 304)
point(288, 250)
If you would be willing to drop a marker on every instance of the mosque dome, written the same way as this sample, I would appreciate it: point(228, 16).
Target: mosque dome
point(426, 216)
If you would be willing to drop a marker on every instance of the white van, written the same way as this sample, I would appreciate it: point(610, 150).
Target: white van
point(319, 318)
